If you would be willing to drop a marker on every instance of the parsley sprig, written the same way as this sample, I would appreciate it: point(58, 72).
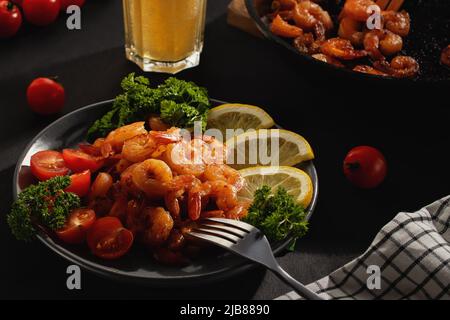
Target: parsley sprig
point(45, 204)
point(277, 214)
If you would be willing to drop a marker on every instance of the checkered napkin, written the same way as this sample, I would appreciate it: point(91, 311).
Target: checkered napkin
point(411, 253)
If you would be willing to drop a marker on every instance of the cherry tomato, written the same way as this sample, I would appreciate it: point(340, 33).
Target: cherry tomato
point(48, 164)
point(68, 3)
point(76, 226)
point(78, 161)
point(81, 183)
point(45, 96)
point(10, 19)
point(365, 167)
point(108, 239)
point(41, 12)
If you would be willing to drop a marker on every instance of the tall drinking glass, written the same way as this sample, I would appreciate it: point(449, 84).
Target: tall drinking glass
point(164, 35)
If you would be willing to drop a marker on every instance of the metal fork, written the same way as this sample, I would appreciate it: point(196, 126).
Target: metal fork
point(390, 5)
point(249, 242)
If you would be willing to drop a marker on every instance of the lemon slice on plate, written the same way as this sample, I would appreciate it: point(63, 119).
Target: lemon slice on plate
point(238, 116)
point(296, 182)
point(268, 147)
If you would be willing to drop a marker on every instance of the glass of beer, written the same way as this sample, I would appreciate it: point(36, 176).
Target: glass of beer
point(164, 35)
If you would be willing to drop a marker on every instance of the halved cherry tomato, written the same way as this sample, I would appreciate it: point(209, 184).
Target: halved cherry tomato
point(108, 239)
point(365, 167)
point(48, 164)
point(78, 161)
point(76, 226)
point(81, 183)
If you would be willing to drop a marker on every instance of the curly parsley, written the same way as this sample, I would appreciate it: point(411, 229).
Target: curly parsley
point(277, 215)
point(46, 204)
point(179, 102)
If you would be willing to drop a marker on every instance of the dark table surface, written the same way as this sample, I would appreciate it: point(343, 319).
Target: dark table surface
point(409, 124)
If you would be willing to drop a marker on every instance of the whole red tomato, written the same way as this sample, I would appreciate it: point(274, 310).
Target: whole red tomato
point(45, 96)
point(67, 3)
point(10, 19)
point(365, 167)
point(41, 12)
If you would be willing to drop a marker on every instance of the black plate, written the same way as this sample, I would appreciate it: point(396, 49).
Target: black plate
point(137, 266)
point(430, 34)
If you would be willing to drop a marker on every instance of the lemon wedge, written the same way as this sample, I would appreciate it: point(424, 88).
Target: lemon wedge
point(238, 116)
point(296, 182)
point(268, 147)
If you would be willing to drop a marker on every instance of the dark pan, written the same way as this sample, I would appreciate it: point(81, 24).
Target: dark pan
point(430, 33)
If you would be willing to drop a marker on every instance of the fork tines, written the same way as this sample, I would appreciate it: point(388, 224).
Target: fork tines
point(224, 232)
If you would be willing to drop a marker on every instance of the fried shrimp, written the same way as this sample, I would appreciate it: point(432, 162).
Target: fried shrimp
point(357, 9)
point(184, 158)
point(399, 67)
point(177, 189)
point(308, 14)
point(159, 226)
point(341, 49)
point(222, 172)
point(284, 29)
point(397, 22)
point(141, 147)
point(306, 44)
point(381, 43)
point(152, 177)
point(118, 137)
point(351, 30)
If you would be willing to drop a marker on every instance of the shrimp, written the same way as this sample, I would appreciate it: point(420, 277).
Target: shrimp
point(176, 240)
point(368, 70)
point(308, 14)
point(357, 9)
point(239, 211)
point(397, 22)
point(152, 177)
point(119, 208)
point(445, 56)
point(224, 194)
point(178, 187)
point(224, 173)
point(399, 67)
point(138, 148)
point(324, 58)
point(306, 44)
point(126, 180)
point(351, 29)
point(284, 29)
point(159, 226)
point(341, 49)
point(134, 217)
point(117, 137)
point(381, 43)
point(183, 158)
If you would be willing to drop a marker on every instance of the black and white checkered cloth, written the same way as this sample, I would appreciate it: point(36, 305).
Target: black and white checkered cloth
point(412, 253)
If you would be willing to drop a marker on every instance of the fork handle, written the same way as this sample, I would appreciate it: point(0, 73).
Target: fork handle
point(297, 286)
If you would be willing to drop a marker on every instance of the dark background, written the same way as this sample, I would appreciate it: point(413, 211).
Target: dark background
point(409, 124)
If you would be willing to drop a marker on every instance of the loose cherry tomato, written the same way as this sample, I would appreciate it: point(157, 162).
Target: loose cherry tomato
point(81, 183)
point(108, 239)
point(78, 161)
point(76, 226)
point(68, 3)
point(10, 19)
point(45, 96)
point(365, 167)
point(48, 164)
point(41, 12)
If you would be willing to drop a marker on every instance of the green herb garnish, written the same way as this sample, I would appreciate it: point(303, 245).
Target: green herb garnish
point(180, 103)
point(45, 204)
point(277, 214)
